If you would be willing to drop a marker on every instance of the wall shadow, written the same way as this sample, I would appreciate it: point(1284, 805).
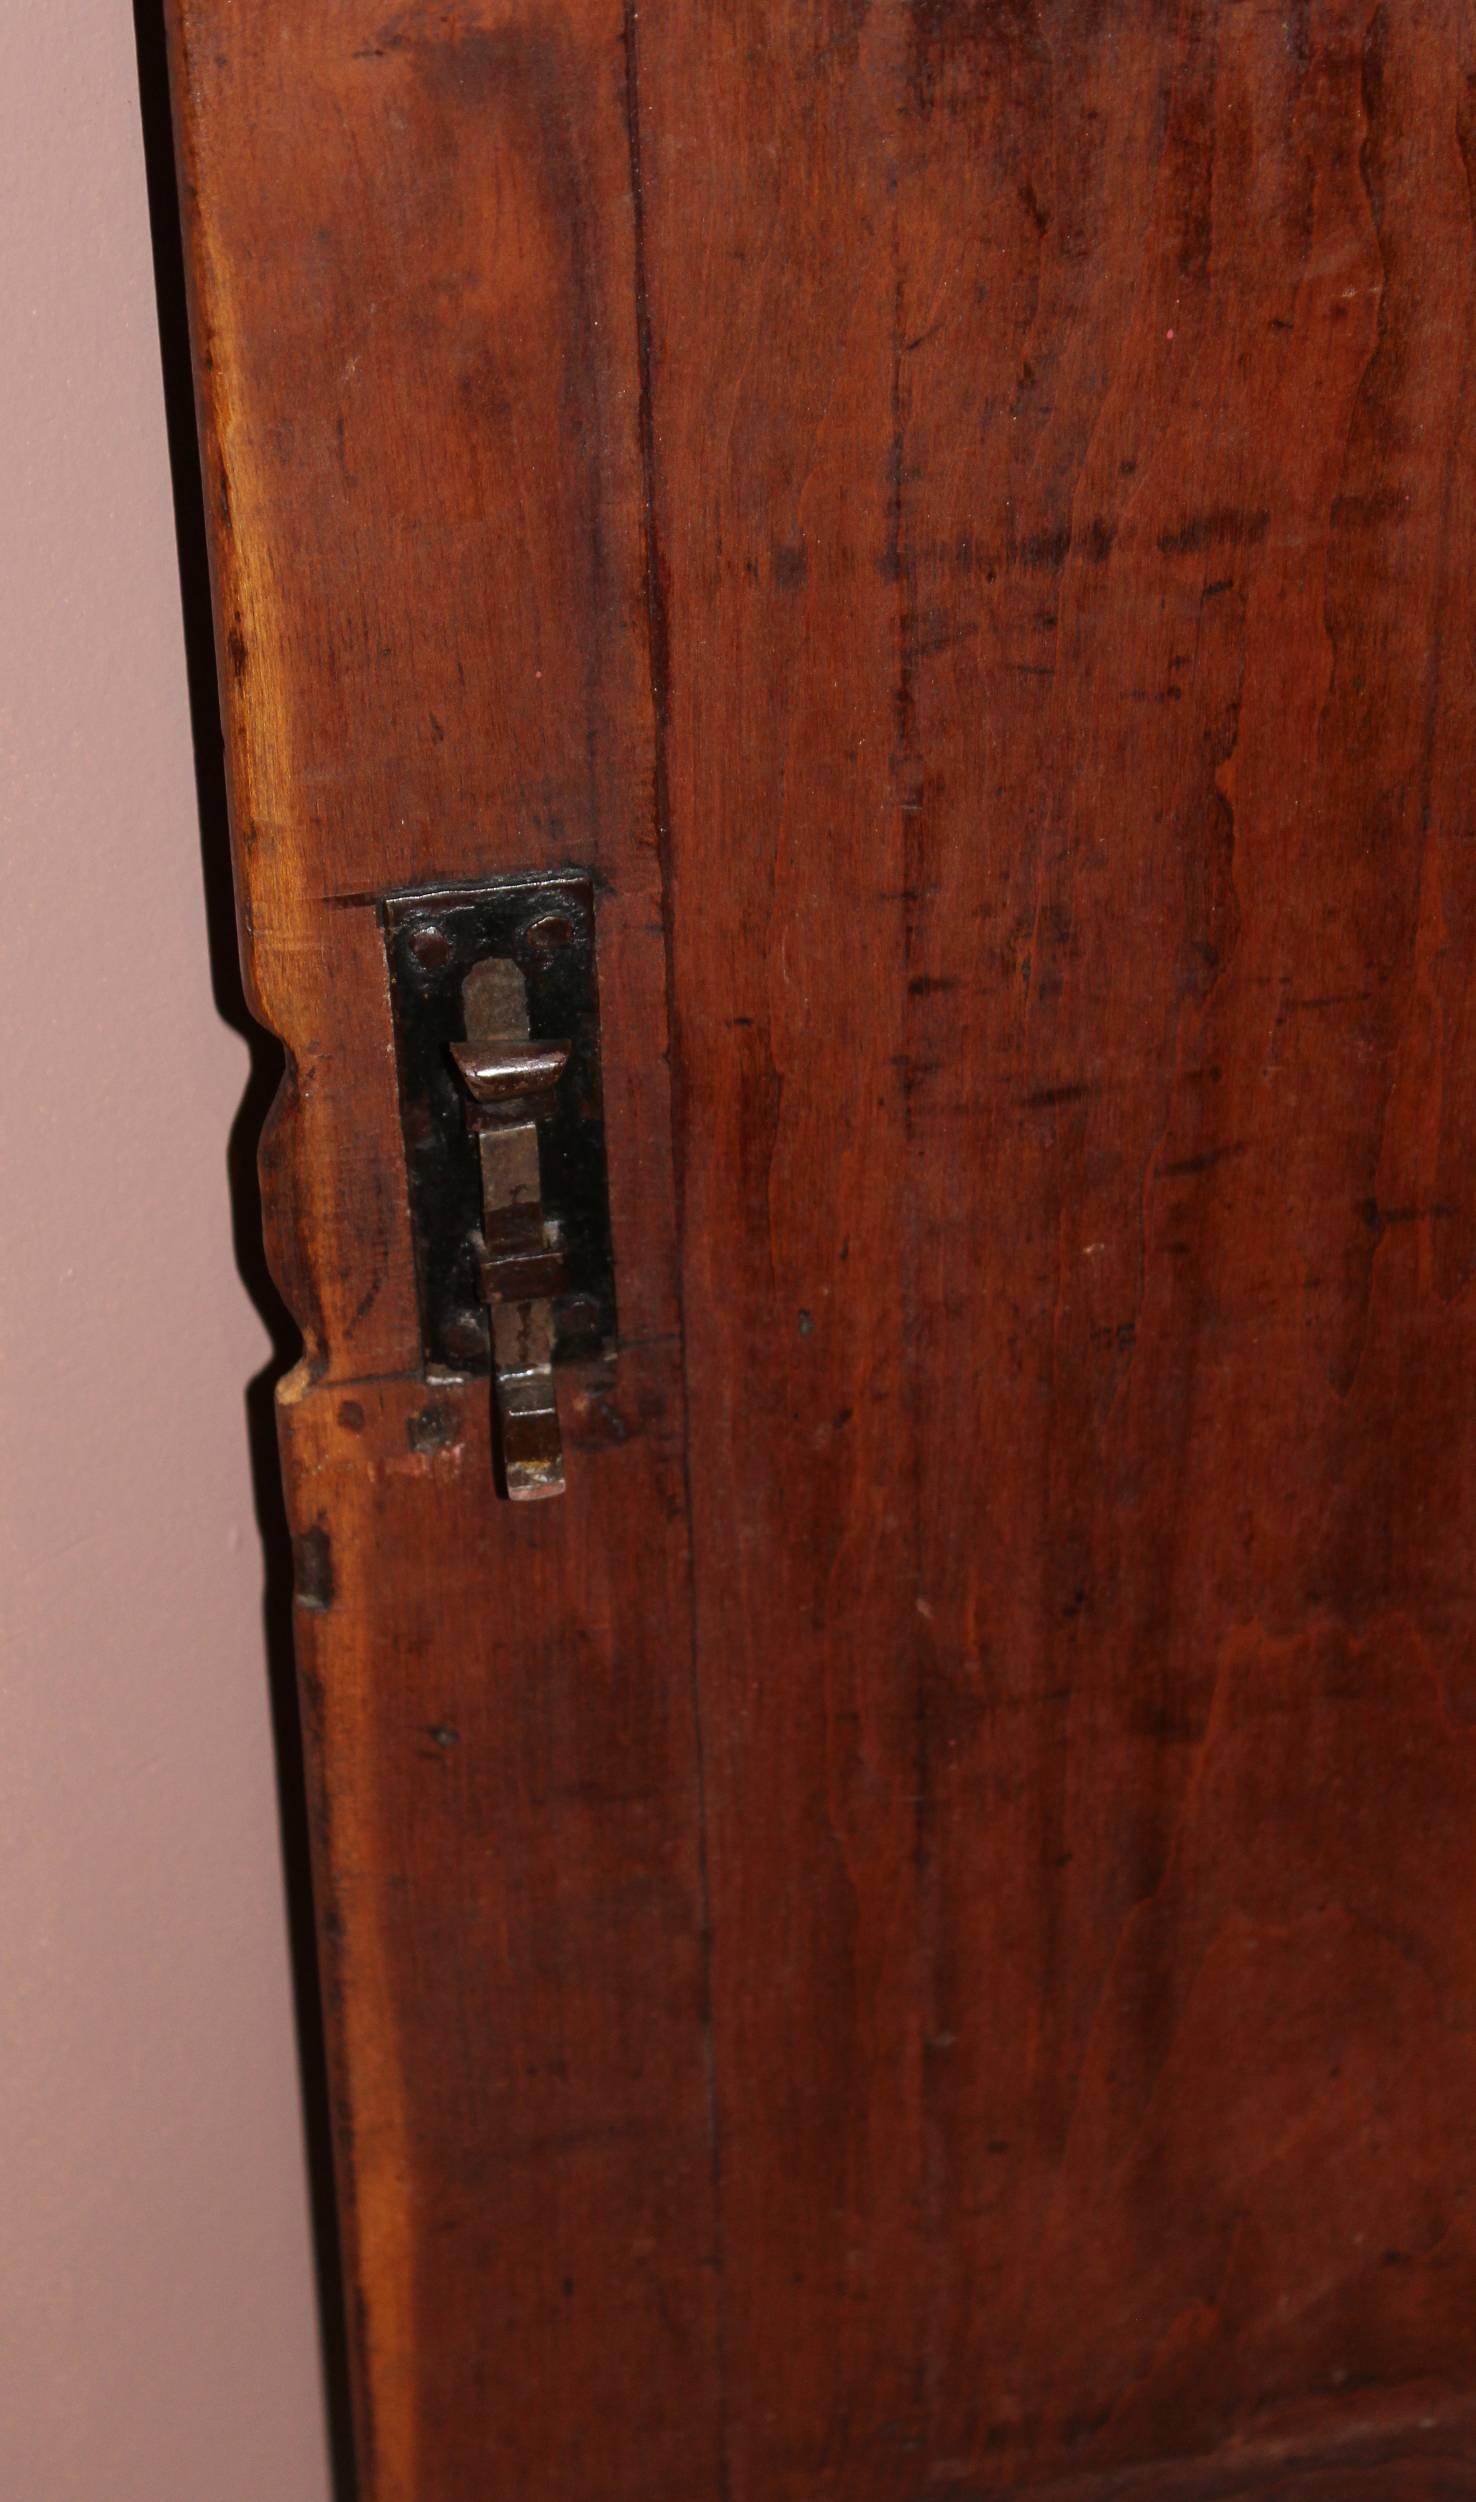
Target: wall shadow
point(245, 1196)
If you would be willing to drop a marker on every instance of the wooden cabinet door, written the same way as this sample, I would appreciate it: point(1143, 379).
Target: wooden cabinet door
point(913, 1935)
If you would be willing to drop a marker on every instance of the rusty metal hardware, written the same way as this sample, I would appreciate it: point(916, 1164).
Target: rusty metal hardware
point(491, 1071)
point(520, 1263)
point(497, 1032)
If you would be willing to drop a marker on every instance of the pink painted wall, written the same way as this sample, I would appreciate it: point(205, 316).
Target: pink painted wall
point(157, 2336)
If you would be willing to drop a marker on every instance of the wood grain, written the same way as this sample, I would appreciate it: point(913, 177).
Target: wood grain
point(915, 1936)
point(416, 341)
point(1063, 459)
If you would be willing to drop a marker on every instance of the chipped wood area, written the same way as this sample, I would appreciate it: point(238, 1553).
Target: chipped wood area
point(915, 1934)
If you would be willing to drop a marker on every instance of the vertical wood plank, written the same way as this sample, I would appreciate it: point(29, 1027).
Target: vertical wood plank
point(412, 242)
point(1062, 450)
point(766, 165)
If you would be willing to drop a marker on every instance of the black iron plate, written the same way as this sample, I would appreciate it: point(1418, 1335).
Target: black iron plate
point(433, 936)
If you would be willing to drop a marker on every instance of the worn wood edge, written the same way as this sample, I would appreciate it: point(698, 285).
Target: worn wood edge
point(333, 1641)
point(294, 951)
point(280, 1146)
point(268, 913)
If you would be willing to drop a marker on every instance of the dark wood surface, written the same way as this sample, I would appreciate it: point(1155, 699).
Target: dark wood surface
point(916, 1935)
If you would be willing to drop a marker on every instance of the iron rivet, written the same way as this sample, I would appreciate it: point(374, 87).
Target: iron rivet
point(549, 932)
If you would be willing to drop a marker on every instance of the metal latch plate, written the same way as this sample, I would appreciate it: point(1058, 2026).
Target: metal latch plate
point(434, 936)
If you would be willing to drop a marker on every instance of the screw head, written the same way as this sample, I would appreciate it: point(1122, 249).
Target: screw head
point(430, 946)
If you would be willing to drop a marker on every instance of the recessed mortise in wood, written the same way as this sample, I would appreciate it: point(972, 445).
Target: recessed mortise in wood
point(504, 1146)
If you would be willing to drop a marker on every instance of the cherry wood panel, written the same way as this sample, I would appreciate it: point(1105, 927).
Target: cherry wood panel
point(913, 1936)
point(1063, 486)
